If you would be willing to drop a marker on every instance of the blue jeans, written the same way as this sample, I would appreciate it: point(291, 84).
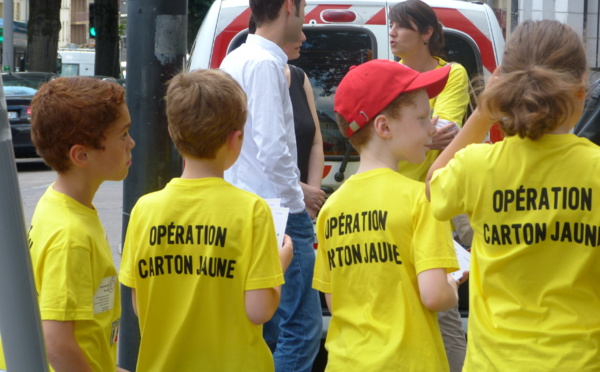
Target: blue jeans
point(294, 332)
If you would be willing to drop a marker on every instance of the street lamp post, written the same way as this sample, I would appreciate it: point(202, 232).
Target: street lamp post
point(157, 39)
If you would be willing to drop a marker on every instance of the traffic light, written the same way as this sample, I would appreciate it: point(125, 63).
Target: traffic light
point(92, 13)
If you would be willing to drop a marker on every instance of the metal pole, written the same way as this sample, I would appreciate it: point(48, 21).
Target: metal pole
point(8, 52)
point(514, 15)
point(20, 325)
point(156, 51)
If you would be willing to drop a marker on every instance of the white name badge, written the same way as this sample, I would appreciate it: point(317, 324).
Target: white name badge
point(104, 299)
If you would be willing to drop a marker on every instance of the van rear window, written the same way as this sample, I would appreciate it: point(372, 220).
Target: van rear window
point(326, 57)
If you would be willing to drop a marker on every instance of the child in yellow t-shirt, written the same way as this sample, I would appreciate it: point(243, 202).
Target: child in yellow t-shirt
point(535, 261)
point(201, 255)
point(80, 127)
point(383, 259)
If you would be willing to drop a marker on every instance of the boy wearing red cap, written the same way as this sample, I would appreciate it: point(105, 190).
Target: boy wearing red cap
point(383, 259)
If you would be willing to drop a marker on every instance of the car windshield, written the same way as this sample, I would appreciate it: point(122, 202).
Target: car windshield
point(19, 90)
point(30, 81)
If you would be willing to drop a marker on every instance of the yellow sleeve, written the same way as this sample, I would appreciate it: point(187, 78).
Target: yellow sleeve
point(322, 273)
point(447, 189)
point(451, 103)
point(127, 270)
point(431, 244)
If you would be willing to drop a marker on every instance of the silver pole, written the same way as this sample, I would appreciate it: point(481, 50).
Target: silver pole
point(8, 52)
point(20, 325)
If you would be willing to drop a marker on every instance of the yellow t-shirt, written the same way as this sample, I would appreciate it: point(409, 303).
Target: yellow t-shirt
point(535, 260)
point(191, 252)
point(376, 233)
point(75, 277)
point(451, 104)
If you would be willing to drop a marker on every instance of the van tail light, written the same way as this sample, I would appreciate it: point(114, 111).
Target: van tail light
point(28, 111)
point(338, 16)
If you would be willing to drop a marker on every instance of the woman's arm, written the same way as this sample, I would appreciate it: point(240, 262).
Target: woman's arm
point(317, 159)
point(474, 131)
point(314, 197)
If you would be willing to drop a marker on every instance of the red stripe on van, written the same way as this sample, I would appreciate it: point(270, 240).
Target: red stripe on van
point(315, 14)
point(378, 19)
point(224, 38)
point(326, 170)
point(453, 18)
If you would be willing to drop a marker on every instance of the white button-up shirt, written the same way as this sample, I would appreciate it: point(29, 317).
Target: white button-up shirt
point(267, 165)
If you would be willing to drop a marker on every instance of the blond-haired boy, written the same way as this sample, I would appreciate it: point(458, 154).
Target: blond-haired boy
point(383, 259)
point(201, 255)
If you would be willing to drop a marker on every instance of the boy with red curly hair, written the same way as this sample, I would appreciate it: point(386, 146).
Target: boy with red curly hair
point(80, 127)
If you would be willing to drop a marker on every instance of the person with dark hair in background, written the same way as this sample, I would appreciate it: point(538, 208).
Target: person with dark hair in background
point(268, 166)
point(309, 141)
point(417, 38)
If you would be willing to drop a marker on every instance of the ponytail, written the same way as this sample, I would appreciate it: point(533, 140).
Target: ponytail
point(543, 68)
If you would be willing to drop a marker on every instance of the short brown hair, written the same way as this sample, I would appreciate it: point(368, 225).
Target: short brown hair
point(267, 11)
point(364, 134)
point(203, 108)
point(546, 61)
point(69, 111)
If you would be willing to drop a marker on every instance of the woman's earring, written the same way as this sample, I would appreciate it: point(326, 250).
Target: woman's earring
point(424, 43)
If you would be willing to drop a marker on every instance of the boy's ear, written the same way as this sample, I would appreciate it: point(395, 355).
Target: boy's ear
point(381, 125)
point(235, 140)
point(79, 156)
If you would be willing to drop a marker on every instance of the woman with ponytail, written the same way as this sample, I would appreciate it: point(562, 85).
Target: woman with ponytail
point(417, 38)
point(534, 203)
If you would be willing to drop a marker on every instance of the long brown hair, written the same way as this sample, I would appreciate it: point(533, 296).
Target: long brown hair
point(543, 67)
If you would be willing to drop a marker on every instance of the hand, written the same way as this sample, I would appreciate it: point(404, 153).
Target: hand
point(463, 278)
point(286, 252)
point(313, 199)
point(119, 369)
point(443, 135)
point(453, 282)
point(495, 76)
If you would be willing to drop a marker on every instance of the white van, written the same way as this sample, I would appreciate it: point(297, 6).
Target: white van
point(343, 33)
point(77, 62)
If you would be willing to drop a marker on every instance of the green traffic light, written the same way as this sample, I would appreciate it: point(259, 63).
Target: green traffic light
point(93, 31)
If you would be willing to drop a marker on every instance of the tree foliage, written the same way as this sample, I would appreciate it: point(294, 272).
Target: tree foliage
point(197, 10)
point(42, 35)
point(44, 26)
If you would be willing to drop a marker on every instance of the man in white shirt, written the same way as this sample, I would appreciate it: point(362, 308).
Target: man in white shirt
point(268, 167)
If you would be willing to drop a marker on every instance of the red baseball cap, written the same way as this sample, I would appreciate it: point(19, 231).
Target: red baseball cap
point(369, 88)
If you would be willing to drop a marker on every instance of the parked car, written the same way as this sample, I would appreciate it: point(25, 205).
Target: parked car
point(340, 34)
point(19, 89)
